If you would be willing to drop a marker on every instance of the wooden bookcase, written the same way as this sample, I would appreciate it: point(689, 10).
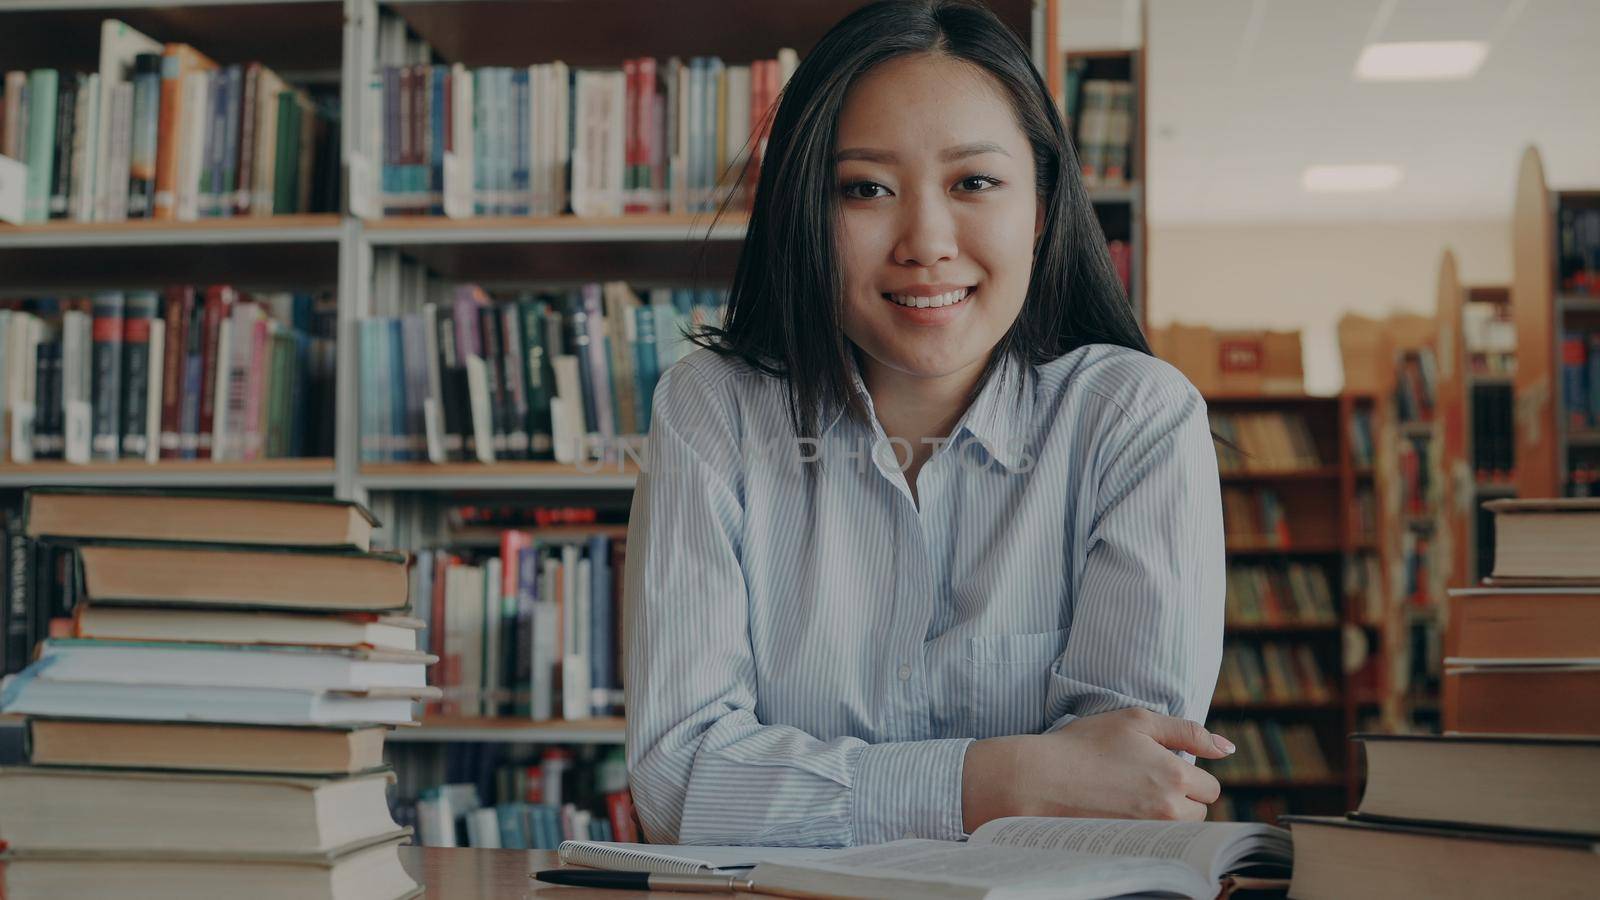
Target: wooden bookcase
point(1547, 447)
point(1466, 394)
point(1322, 532)
point(1121, 209)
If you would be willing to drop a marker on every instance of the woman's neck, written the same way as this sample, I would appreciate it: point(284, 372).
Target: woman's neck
point(919, 410)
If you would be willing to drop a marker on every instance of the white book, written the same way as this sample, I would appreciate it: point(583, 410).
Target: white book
point(694, 130)
point(460, 174)
point(26, 331)
point(575, 653)
point(546, 646)
point(538, 187)
point(15, 145)
point(566, 409)
point(682, 162)
point(455, 631)
point(268, 87)
point(788, 61)
point(478, 401)
point(472, 625)
point(583, 200)
point(85, 117)
point(483, 829)
point(119, 157)
point(77, 368)
point(232, 666)
point(188, 703)
point(119, 45)
point(192, 131)
point(616, 144)
point(436, 825)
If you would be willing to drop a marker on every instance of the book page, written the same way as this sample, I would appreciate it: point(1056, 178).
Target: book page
point(669, 858)
point(1209, 848)
point(944, 869)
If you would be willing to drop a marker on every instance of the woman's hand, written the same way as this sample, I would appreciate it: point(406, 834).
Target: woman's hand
point(1115, 765)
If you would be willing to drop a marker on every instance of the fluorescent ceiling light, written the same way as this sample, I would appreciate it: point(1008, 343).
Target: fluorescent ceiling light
point(1350, 178)
point(1421, 60)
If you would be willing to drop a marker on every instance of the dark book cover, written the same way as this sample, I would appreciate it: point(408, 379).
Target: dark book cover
point(219, 301)
point(539, 379)
point(244, 176)
point(106, 389)
point(146, 127)
point(142, 308)
point(49, 433)
point(494, 370)
point(179, 305)
point(66, 113)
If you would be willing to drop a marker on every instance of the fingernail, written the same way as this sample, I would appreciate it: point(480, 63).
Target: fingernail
point(1222, 744)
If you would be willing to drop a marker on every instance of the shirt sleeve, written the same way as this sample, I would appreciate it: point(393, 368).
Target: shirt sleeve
point(1146, 628)
point(702, 767)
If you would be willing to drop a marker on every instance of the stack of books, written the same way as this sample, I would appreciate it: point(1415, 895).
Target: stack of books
point(1460, 815)
point(207, 715)
point(1507, 802)
point(1523, 652)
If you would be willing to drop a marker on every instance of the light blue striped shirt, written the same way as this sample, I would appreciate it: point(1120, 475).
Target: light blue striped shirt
point(808, 658)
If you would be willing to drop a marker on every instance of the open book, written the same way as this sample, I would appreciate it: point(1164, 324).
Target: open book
point(1062, 859)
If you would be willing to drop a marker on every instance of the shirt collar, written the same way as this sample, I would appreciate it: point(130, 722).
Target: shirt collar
point(996, 418)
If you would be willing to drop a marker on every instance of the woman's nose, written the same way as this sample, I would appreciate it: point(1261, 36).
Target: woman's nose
point(927, 233)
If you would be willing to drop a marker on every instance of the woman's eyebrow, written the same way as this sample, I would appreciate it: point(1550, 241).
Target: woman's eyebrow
point(949, 154)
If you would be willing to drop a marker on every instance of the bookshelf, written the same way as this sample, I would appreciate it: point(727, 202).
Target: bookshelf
point(333, 46)
point(1296, 449)
point(1556, 455)
point(1477, 365)
point(1118, 206)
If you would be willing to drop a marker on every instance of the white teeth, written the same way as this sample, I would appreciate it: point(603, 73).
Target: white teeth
point(925, 302)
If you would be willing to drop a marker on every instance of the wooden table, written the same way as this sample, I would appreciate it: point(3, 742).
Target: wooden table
point(462, 874)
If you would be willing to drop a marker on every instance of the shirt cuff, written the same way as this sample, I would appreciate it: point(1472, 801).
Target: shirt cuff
point(909, 790)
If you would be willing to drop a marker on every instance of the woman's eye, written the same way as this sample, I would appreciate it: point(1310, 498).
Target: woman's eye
point(983, 183)
point(849, 190)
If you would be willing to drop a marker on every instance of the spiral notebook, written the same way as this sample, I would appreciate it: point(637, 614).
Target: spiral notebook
point(671, 859)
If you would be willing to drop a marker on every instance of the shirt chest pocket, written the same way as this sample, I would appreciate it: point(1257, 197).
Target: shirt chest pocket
point(1008, 680)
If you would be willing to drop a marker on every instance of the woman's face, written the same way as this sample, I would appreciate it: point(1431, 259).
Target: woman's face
point(938, 216)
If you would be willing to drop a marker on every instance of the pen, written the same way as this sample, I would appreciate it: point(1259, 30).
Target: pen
point(646, 881)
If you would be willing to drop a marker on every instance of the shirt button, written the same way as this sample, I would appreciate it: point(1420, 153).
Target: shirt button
point(905, 672)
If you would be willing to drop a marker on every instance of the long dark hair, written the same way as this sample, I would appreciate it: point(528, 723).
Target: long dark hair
point(786, 307)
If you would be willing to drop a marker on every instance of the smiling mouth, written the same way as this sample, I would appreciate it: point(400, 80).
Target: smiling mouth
point(939, 302)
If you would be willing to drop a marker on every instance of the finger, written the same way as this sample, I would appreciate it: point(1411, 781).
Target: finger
point(1182, 734)
point(1192, 811)
point(1200, 785)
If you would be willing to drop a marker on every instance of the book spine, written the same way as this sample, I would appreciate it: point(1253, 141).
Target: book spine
point(164, 203)
point(540, 380)
point(106, 390)
point(179, 302)
point(515, 373)
point(141, 311)
point(42, 88)
point(494, 365)
point(249, 114)
point(145, 125)
point(66, 113)
point(218, 303)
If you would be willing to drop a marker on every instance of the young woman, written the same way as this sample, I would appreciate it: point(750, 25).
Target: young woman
point(926, 536)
